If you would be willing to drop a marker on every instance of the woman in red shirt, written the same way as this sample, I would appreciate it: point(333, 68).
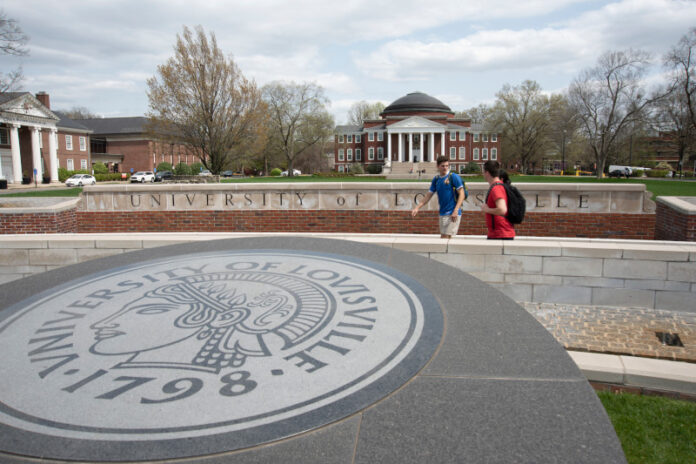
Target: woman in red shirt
point(495, 205)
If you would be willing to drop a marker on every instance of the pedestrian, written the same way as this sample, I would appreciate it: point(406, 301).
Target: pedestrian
point(496, 204)
point(445, 184)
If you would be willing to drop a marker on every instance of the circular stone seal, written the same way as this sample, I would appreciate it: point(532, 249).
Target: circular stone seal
point(227, 349)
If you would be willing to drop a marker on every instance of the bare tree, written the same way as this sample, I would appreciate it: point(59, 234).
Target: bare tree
point(201, 99)
point(521, 115)
point(477, 114)
point(12, 42)
point(80, 112)
point(673, 118)
point(298, 119)
point(363, 110)
point(609, 99)
point(682, 63)
point(563, 129)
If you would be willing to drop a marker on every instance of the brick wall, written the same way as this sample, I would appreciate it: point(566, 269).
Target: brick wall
point(625, 226)
point(671, 224)
point(39, 223)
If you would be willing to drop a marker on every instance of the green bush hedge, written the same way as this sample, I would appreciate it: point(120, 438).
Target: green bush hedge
point(356, 168)
point(182, 169)
point(275, 172)
point(472, 168)
point(656, 173)
point(100, 168)
point(63, 173)
point(111, 176)
point(164, 166)
point(373, 169)
point(333, 174)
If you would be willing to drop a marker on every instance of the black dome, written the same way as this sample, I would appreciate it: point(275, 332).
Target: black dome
point(417, 101)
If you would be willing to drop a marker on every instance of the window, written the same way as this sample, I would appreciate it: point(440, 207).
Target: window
point(462, 136)
point(4, 136)
point(83, 164)
point(453, 136)
point(453, 153)
point(358, 154)
point(340, 154)
point(476, 154)
point(340, 168)
point(68, 142)
point(380, 153)
point(485, 137)
point(380, 136)
point(358, 138)
point(370, 136)
point(370, 153)
point(476, 137)
point(494, 137)
point(340, 138)
point(349, 138)
point(83, 143)
point(71, 166)
point(494, 154)
point(462, 153)
point(349, 154)
point(484, 154)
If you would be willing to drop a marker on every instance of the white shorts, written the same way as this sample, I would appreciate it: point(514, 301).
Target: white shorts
point(448, 226)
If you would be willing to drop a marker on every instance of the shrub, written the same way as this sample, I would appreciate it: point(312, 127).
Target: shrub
point(356, 168)
point(196, 168)
point(100, 168)
point(63, 174)
point(108, 176)
point(333, 174)
point(637, 173)
point(164, 166)
point(656, 173)
point(275, 172)
point(472, 168)
point(182, 169)
point(373, 169)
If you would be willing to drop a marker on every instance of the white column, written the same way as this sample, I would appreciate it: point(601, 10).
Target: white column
point(389, 152)
point(53, 154)
point(401, 144)
point(16, 155)
point(431, 136)
point(410, 147)
point(421, 147)
point(36, 153)
point(444, 139)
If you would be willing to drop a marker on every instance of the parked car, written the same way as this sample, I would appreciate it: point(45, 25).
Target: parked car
point(295, 172)
point(143, 176)
point(205, 172)
point(78, 180)
point(163, 175)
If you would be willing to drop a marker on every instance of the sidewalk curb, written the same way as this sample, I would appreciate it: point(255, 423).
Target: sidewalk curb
point(632, 371)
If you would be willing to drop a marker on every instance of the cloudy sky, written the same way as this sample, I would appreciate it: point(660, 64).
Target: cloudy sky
point(98, 53)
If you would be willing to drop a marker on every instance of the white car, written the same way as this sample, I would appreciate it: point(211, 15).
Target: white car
point(143, 176)
point(205, 172)
point(295, 172)
point(78, 180)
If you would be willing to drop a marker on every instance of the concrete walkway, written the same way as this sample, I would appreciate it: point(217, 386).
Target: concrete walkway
point(620, 346)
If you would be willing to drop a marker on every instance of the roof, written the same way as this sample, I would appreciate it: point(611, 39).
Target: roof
point(9, 96)
point(348, 128)
point(67, 123)
point(112, 126)
point(417, 101)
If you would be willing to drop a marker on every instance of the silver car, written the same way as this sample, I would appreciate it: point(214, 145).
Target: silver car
point(143, 176)
point(78, 180)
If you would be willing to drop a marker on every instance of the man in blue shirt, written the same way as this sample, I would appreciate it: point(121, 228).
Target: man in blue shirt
point(450, 206)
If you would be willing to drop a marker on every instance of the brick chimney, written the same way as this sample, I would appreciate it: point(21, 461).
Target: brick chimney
point(44, 99)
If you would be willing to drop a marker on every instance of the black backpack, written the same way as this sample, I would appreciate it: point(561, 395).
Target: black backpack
point(516, 203)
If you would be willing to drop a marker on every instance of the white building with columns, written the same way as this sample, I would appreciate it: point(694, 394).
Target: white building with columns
point(415, 128)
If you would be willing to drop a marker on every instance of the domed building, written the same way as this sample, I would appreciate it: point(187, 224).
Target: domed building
point(409, 136)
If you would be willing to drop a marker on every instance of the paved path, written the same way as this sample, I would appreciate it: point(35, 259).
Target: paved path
point(614, 330)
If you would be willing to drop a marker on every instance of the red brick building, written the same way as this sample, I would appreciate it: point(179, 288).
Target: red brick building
point(414, 128)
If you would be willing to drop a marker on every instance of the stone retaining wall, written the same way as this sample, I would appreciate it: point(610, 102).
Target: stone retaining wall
point(676, 219)
point(625, 273)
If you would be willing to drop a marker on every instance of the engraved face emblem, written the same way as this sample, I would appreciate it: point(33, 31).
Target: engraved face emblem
point(254, 345)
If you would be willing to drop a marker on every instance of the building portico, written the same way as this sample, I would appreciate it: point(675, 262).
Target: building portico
point(23, 120)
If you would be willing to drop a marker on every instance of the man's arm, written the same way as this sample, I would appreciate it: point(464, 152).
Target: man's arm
point(426, 199)
point(460, 200)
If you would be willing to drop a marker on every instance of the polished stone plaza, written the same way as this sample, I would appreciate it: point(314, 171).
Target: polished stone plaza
point(284, 349)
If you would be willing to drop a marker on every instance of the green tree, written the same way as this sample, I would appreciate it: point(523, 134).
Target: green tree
point(201, 99)
point(298, 119)
point(164, 166)
point(182, 169)
point(100, 168)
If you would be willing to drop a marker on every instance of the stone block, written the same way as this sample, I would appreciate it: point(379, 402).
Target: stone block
point(87, 254)
point(7, 242)
point(71, 243)
point(463, 262)
point(516, 292)
point(655, 252)
point(660, 374)
point(116, 243)
point(684, 272)
point(421, 245)
point(562, 294)
point(489, 277)
point(475, 247)
point(635, 269)
point(599, 367)
point(535, 279)
point(566, 266)
point(623, 297)
point(675, 301)
point(532, 248)
point(591, 250)
point(593, 282)
point(52, 257)
point(510, 264)
point(647, 284)
point(24, 270)
point(14, 257)
point(4, 278)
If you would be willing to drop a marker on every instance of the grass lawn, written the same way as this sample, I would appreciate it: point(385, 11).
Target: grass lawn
point(653, 429)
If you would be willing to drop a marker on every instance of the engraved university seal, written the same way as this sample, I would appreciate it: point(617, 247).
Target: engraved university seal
point(254, 344)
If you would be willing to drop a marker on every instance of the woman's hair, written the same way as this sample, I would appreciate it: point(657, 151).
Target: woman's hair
point(493, 168)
